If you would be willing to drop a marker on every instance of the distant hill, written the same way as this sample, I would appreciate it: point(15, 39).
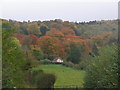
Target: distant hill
point(57, 38)
point(86, 29)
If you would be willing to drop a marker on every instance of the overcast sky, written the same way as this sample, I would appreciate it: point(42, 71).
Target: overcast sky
point(70, 10)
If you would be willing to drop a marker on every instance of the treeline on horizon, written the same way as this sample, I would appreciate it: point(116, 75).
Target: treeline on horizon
point(75, 43)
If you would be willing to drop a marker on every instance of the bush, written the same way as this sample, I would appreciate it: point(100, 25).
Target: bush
point(45, 61)
point(68, 64)
point(47, 80)
point(42, 80)
point(83, 64)
point(103, 70)
point(72, 65)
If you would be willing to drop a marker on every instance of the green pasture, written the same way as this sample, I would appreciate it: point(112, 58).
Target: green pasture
point(66, 77)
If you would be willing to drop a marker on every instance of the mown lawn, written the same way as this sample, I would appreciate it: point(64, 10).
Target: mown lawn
point(66, 77)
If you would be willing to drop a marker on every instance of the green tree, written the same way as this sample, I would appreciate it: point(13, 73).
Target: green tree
point(74, 54)
point(23, 29)
point(43, 30)
point(38, 54)
point(103, 70)
point(13, 61)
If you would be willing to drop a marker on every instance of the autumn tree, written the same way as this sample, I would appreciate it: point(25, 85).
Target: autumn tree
point(50, 46)
point(20, 37)
point(67, 31)
point(97, 40)
point(34, 40)
point(33, 29)
point(55, 33)
point(107, 38)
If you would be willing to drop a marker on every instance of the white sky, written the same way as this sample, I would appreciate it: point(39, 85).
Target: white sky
point(70, 10)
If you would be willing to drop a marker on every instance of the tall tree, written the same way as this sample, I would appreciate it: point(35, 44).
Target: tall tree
point(43, 30)
point(13, 61)
point(75, 53)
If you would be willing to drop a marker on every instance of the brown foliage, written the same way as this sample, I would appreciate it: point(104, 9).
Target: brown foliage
point(55, 33)
point(67, 31)
point(51, 46)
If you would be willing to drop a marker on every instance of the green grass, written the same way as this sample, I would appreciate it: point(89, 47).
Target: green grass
point(66, 77)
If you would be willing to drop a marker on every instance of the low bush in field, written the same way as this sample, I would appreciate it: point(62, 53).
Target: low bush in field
point(68, 64)
point(42, 80)
point(47, 80)
point(45, 61)
point(79, 66)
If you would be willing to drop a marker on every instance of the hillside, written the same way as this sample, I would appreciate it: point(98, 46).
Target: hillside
point(39, 28)
point(57, 38)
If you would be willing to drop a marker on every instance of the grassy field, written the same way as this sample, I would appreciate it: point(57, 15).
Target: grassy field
point(66, 77)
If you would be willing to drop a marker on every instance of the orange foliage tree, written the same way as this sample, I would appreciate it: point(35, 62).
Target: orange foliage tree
point(51, 47)
point(55, 33)
point(20, 37)
point(34, 40)
point(67, 31)
point(97, 40)
point(33, 29)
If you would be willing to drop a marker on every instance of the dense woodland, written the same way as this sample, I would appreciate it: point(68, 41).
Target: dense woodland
point(83, 46)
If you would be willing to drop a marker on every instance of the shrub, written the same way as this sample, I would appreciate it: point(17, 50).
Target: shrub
point(45, 61)
point(72, 65)
point(42, 80)
point(103, 70)
point(68, 64)
point(83, 64)
point(46, 81)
